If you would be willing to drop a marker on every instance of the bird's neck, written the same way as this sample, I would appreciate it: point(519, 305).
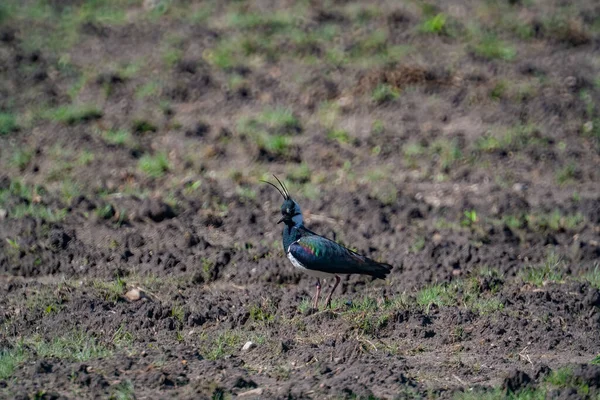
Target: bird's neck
point(291, 233)
point(297, 219)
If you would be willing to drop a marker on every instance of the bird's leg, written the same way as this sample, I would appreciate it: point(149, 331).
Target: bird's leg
point(316, 300)
point(328, 300)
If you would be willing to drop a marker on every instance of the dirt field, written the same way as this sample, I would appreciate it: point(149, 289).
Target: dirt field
point(458, 141)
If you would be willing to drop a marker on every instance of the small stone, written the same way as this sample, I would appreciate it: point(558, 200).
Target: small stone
point(3, 214)
point(519, 187)
point(253, 392)
point(248, 346)
point(133, 294)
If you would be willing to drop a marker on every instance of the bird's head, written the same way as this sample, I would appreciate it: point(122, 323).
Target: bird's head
point(290, 210)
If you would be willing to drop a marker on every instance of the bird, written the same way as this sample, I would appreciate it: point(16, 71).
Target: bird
point(317, 255)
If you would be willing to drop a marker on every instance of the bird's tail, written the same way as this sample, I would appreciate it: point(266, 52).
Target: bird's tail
point(377, 269)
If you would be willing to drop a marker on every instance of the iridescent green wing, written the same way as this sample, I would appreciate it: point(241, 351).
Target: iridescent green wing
point(321, 254)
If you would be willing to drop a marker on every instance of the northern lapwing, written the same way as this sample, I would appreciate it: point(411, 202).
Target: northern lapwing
point(318, 256)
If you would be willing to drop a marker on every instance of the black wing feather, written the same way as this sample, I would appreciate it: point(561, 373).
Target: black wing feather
point(321, 254)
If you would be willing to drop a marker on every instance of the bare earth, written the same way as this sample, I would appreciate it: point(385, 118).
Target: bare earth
point(457, 140)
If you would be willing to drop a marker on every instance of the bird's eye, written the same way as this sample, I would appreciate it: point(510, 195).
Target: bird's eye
point(287, 211)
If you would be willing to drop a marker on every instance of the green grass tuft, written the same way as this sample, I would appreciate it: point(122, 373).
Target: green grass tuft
point(386, 194)
point(300, 174)
point(501, 394)
point(123, 391)
point(154, 166)
point(6, 11)
point(268, 23)
point(566, 174)
point(171, 56)
point(16, 188)
point(280, 121)
point(487, 306)
point(277, 145)
point(69, 190)
point(225, 343)
point(491, 48)
point(73, 346)
point(434, 24)
point(556, 221)
point(548, 271)
point(564, 378)
point(142, 126)
point(178, 313)
point(412, 152)
point(8, 123)
point(85, 158)
point(277, 121)
point(112, 290)
point(261, 314)
point(119, 137)
point(224, 55)
point(418, 245)
point(593, 277)
point(560, 377)
point(40, 211)
point(270, 131)
point(339, 135)
point(122, 338)
point(10, 360)
point(147, 90)
point(73, 114)
point(438, 295)
point(499, 90)
point(448, 152)
point(385, 93)
point(305, 305)
point(373, 45)
point(21, 158)
point(513, 139)
point(470, 218)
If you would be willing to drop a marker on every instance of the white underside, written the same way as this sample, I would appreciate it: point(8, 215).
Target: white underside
point(311, 272)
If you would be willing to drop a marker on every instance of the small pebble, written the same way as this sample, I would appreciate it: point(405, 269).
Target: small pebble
point(253, 392)
point(133, 295)
point(249, 345)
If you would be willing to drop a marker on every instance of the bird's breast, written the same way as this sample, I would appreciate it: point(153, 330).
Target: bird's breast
point(295, 261)
point(312, 272)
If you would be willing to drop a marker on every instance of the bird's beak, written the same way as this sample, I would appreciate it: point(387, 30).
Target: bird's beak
point(281, 220)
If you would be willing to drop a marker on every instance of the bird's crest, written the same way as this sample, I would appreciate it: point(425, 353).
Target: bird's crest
point(283, 191)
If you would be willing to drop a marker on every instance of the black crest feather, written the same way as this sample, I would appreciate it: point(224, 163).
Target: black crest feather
point(283, 191)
